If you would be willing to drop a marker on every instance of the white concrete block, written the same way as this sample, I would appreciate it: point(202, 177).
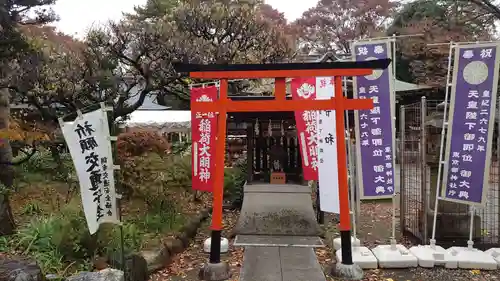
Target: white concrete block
point(396, 256)
point(471, 258)
point(495, 253)
point(361, 256)
point(224, 245)
point(429, 256)
point(355, 242)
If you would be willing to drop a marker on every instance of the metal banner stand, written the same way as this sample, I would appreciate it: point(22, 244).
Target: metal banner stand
point(433, 255)
point(394, 255)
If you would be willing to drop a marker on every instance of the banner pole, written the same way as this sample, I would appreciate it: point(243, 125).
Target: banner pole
point(120, 212)
point(423, 166)
point(353, 198)
point(115, 131)
point(498, 153)
point(393, 141)
point(441, 148)
point(470, 242)
point(402, 178)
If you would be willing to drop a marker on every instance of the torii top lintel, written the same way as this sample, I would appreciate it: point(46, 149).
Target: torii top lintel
point(280, 72)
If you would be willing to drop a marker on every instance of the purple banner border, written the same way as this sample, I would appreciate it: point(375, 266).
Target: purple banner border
point(491, 124)
point(359, 159)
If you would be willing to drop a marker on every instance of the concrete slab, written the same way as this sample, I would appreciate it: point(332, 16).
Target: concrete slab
point(394, 257)
point(361, 256)
point(280, 264)
point(261, 263)
point(337, 243)
point(472, 258)
point(280, 210)
point(278, 241)
point(433, 256)
point(300, 264)
point(495, 253)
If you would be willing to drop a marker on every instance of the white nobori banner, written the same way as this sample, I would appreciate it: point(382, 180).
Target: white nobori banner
point(89, 142)
point(327, 150)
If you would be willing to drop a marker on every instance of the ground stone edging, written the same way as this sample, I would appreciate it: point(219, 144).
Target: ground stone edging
point(159, 259)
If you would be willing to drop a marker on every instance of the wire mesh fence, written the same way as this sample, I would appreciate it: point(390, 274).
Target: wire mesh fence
point(419, 143)
point(411, 158)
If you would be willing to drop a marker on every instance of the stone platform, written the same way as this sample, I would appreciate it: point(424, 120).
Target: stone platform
point(282, 210)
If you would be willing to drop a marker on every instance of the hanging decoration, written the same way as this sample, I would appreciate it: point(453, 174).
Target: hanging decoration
point(270, 129)
point(257, 126)
point(282, 132)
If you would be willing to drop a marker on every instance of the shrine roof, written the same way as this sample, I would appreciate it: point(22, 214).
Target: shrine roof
point(371, 64)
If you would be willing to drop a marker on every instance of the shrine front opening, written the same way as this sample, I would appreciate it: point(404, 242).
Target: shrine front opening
point(269, 140)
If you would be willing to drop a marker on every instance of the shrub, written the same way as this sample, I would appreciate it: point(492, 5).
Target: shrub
point(150, 175)
point(55, 241)
point(178, 171)
point(234, 180)
point(43, 164)
point(61, 243)
point(137, 143)
point(109, 241)
point(161, 217)
point(142, 176)
point(181, 148)
point(39, 162)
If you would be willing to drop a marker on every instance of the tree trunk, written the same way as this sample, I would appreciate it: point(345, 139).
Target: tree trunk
point(7, 225)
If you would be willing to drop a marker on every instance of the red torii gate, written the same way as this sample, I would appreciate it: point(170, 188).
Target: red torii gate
point(280, 72)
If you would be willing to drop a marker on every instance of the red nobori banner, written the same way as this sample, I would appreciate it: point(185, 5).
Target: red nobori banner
point(306, 124)
point(203, 132)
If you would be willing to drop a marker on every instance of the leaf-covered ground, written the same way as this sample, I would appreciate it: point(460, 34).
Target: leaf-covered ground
point(185, 266)
point(374, 229)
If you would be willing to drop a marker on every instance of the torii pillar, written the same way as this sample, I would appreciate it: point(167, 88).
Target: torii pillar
point(215, 270)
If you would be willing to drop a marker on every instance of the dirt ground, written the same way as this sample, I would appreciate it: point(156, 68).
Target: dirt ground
point(374, 229)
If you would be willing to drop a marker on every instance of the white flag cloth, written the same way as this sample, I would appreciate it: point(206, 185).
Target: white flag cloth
point(328, 175)
point(88, 140)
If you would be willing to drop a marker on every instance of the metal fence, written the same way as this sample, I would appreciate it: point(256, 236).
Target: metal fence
point(419, 140)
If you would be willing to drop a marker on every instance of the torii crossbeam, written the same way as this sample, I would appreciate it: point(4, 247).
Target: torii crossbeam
point(279, 72)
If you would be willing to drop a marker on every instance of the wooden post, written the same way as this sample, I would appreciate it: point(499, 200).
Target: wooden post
point(218, 192)
point(250, 147)
point(320, 215)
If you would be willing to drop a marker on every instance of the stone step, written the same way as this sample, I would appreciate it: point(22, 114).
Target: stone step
point(278, 241)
